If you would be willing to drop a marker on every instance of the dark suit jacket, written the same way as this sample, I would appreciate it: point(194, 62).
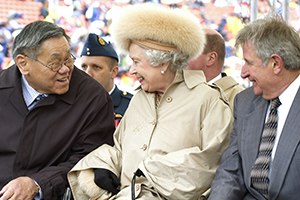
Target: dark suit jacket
point(232, 181)
point(120, 100)
point(47, 141)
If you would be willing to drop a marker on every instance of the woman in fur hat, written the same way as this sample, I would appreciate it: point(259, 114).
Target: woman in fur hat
point(169, 142)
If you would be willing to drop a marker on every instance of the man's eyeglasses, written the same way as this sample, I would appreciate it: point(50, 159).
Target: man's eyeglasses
point(57, 66)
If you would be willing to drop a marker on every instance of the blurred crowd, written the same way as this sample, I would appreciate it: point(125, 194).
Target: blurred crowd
point(81, 17)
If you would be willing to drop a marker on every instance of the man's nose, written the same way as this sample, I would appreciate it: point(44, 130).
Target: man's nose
point(245, 71)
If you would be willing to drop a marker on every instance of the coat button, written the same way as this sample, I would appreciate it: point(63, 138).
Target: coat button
point(144, 147)
point(137, 187)
point(154, 122)
point(169, 99)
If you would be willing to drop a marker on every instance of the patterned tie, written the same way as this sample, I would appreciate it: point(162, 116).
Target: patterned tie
point(36, 100)
point(39, 97)
point(260, 170)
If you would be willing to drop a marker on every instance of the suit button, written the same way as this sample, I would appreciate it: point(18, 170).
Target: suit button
point(169, 99)
point(144, 147)
point(154, 122)
point(137, 187)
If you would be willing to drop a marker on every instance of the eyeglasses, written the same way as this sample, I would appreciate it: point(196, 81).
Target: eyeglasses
point(57, 66)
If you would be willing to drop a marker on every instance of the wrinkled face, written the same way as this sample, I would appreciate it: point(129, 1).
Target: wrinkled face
point(97, 67)
point(42, 78)
point(150, 77)
point(253, 69)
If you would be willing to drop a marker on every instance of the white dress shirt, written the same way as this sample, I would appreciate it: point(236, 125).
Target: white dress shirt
point(286, 98)
point(29, 93)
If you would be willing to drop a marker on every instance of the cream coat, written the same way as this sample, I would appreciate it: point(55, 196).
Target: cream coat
point(230, 88)
point(178, 146)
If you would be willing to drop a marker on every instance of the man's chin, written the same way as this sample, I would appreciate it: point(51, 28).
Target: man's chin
point(61, 91)
point(257, 91)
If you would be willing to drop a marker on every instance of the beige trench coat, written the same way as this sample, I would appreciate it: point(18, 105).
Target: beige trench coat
point(178, 146)
point(230, 88)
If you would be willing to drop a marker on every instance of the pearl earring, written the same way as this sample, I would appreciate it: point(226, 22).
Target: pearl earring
point(162, 71)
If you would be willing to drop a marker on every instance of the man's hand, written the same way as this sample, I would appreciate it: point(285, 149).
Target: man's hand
point(106, 180)
point(20, 188)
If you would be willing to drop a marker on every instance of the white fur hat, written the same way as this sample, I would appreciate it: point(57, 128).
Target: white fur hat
point(160, 24)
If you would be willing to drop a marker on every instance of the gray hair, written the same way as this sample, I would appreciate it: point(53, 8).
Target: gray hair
point(177, 60)
point(272, 35)
point(29, 40)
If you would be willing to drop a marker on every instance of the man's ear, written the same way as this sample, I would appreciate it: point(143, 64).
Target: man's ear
point(114, 72)
point(277, 63)
point(212, 58)
point(21, 62)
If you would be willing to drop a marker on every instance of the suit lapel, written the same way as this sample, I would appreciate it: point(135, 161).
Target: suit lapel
point(16, 96)
point(287, 145)
point(253, 126)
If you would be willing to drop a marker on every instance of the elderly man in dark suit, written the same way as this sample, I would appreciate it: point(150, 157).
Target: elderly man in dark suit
point(52, 115)
point(263, 157)
point(100, 61)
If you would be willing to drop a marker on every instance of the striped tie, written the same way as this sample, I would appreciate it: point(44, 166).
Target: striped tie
point(260, 170)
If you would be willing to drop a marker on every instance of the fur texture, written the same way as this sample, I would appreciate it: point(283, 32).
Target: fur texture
point(158, 23)
point(87, 184)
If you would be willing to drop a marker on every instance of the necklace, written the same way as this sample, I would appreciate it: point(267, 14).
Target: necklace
point(156, 101)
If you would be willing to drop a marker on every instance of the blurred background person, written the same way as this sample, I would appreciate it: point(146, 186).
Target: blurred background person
point(176, 126)
point(100, 60)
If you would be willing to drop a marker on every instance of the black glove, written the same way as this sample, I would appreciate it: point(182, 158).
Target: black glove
point(107, 180)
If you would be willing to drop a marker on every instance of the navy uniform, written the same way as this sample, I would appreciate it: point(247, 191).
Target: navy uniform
point(120, 100)
point(96, 46)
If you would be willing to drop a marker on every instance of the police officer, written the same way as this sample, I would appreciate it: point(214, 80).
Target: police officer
point(100, 61)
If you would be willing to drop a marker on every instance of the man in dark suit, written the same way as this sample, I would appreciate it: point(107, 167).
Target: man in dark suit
point(100, 60)
point(263, 157)
point(41, 139)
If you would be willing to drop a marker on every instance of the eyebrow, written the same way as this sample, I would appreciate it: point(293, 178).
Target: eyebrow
point(249, 62)
point(57, 55)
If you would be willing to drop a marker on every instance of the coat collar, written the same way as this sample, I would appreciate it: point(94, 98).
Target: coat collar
point(10, 79)
point(192, 78)
point(226, 82)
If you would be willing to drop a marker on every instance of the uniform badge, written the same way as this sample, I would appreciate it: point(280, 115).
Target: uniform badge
point(101, 41)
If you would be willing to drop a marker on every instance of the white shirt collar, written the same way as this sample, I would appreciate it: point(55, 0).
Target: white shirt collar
point(288, 95)
point(215, 79)
point(29, 93)
point(111, 91)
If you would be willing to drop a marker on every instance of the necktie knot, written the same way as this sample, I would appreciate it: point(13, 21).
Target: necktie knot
point(39, 97)
point(275, 103)
point(36, 100)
